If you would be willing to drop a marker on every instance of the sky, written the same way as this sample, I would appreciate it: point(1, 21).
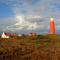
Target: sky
point(23, 16)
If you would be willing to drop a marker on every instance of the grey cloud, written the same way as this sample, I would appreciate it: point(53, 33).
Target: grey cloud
point(29, 25)
point(43, 8)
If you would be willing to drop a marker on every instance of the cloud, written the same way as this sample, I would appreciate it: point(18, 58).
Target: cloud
point(26, 22)
point(34, 14)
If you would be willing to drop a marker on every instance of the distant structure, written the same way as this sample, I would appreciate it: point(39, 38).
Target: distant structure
point(4, 35)
point(52, 26)
point(32, 34)
point(19, 35)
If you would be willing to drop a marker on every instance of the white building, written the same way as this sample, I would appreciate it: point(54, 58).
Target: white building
point(19, 34)
point(4, 35)
point(32, 34)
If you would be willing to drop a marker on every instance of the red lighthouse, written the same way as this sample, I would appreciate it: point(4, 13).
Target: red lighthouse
point(52, 26)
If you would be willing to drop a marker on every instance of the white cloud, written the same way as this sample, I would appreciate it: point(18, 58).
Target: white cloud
point(28, 14)
point(25, 23)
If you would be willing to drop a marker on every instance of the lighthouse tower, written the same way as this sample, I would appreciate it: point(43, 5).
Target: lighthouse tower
point(52, 26)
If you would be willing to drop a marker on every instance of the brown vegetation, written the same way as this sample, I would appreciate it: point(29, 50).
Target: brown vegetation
point(40, 47)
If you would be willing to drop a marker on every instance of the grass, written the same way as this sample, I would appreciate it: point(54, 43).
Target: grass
point(41, 47)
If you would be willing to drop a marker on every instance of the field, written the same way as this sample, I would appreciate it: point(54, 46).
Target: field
point(39, 47)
